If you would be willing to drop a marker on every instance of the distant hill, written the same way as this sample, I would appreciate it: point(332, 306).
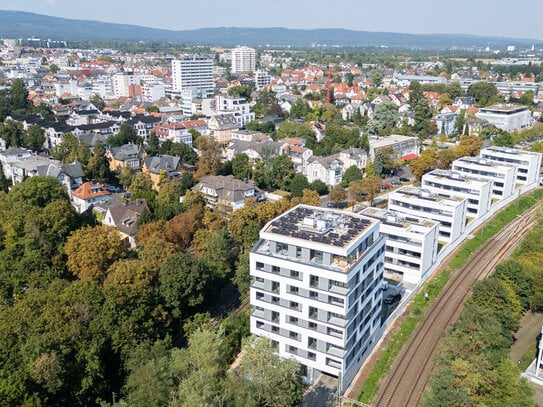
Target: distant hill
point(19, 24)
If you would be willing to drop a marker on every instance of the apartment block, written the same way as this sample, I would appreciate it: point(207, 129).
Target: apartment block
point(477, 190)
point(508, 117)
point(243, 60)
point(411, 246)
point(194, 73)
point(528, 163)
point(417, 203)
point(316, 289)
point(503, 175)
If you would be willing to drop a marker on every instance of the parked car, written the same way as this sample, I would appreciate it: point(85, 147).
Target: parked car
point(384, 187)
point(403, 179)
point(392, 299)
point(331, 204)
point(395, 182)
point(339, 205)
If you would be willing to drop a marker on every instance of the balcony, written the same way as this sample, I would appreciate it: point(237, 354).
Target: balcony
point(335, 351)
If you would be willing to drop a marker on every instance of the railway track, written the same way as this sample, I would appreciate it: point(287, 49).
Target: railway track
point(409, 374)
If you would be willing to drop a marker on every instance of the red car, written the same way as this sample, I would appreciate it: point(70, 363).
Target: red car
point(386, 186)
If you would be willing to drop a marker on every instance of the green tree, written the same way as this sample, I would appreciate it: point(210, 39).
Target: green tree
point(415, 93)
point(98, 165)
point(425, 162)
point(423, 114)
point(298, 184)
point(371, 185)
point(300, 109)
point(504, 139)
point(274, 382)
point(337, 194)
point(319, 186)
point(12, 133)
point(19, 97)
point(183, 283)
point(125, 135)
point(386, 115)
point(485, 93)
point(34, 138)
point(153, 147)
point(241, 168)
point(37, 191)
point(97, 101)
point(351, 174)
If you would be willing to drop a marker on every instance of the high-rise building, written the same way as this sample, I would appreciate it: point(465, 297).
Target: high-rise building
point(243, 60)
point(194, 73)
point(316, 290)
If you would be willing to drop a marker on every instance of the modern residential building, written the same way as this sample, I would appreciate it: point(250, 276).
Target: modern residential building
point(508, 117)
point(243, 60)
point(316, 290)
point(122, 82)
point(193, 72)
point(262, 78)
point(401, 146)
point(447, 183)
point(417, 203)
point(411, 246)
point(503, 175)
point(528, 163)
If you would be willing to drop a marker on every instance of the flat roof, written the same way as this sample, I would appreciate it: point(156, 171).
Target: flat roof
point(310, 223)
point(392, 218)
point(425, 194)
point(503, 107)
point(456, 176)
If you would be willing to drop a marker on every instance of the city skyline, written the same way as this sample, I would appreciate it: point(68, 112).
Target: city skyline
point(415, 17)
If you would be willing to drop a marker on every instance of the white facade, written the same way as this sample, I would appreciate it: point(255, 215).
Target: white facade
point(507, 117)
point(243, 60)
point(329, 171)
point(411, 246)
point(262, 78)
point(400, 145)
point(478, 191)
point(316, 290)
point(503, 175)
point(528, 163)
point(151, 92)
point(238, 106)
point(122, 81)
point(417, 203)
point(193, 72)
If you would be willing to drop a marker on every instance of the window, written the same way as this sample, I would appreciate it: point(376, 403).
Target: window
point(259, 295)
point(259, 265)
point(282, 248)
point(298, 252)
point(312, 325)
point(275, 329)
point(313, 281)
point(259, 279)
point(295, 274)
point(275, 286)
point(311, 356)
point(275, 269)
point(293, 320)
point(313, 294)
point(275, 316)
point(275, 300)
point(294, 305)
point(293, 335)
point(316, 256)
point(292, 349)
point(312, 343)
point(259, 324)
point(313, 312)
point(293, 290)
point(335, 300)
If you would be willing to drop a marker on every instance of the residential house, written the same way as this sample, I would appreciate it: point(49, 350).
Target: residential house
point(326, 169)
point(126, 156)
point(89, 194)
point(124, 217)
point(221, 126)
point(161, 166)
point(227, 191)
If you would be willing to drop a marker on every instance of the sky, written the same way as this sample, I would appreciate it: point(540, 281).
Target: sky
point(503, 18)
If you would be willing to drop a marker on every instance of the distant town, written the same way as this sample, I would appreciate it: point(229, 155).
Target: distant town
point(274, 210)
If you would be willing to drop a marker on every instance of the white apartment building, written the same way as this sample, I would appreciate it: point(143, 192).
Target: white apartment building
point(153, 91)
point(102, 86)
point(402, 146)
point(238, 106)
point(528, 163)
point(193, 72)
point(508, 117)
point(243, 60)
point(447, 183)
point(417, 203)
point(262, 78)
point(122, 82)
point(411, 246)
point(316, 289)
point(503, 175)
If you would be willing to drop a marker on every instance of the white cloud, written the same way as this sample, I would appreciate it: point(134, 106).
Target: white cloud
point(51, 2)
